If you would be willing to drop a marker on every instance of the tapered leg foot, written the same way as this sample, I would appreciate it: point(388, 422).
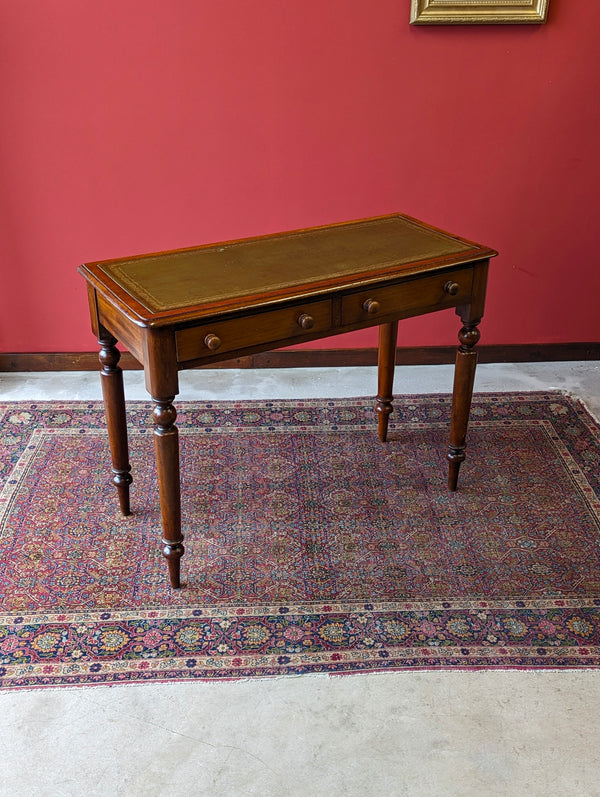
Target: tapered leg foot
point(166, 440)
point(116, 421)
point(455, 458)
point(122, 482)
point(388, 334)
point(384, 409)
point(173, 553)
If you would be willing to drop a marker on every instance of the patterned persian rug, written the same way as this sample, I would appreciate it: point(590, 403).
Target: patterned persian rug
point(310, 546)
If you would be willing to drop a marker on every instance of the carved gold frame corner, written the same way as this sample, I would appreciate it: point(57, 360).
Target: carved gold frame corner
point(464, 12)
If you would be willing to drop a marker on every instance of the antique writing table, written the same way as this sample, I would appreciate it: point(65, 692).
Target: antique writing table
point(193, 307)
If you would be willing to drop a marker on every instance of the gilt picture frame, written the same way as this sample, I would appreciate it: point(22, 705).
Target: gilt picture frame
point(473, 12)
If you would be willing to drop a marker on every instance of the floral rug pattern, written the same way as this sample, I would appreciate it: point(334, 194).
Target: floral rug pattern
point(310, 546)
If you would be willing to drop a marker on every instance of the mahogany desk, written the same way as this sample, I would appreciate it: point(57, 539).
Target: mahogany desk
point(191, 307)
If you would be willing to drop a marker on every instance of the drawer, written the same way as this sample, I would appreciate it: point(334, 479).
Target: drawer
point(268, 327)
point(404, 299)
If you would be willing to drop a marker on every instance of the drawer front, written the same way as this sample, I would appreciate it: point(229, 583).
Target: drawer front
point(266, 328)
point(405, 299)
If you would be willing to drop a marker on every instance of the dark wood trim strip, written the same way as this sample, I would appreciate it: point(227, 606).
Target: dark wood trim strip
point(306, 358)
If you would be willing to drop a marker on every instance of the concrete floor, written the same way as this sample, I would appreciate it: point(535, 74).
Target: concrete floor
point(428, 733)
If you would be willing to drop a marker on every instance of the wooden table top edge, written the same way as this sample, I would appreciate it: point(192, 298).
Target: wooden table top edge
point(142, 316)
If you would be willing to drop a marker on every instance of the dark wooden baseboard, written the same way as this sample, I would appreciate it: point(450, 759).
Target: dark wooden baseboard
point(306, 358)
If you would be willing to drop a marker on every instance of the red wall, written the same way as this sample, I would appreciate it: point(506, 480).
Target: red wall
point(136, 125)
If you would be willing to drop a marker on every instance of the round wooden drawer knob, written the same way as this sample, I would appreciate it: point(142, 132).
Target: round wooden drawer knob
point(452, 288)
point(371, 306)
point(212, 341)
point(306, 321)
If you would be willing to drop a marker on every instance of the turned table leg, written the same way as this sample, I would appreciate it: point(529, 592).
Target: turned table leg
point(464, 377)
point(388, 334)
point(166, 440)
point(116, 422)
